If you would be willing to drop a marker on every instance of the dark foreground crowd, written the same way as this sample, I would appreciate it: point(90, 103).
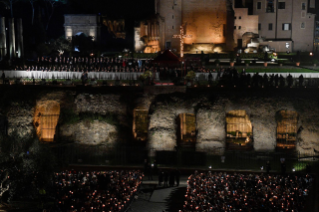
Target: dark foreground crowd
point(95, 191)
point(246, 192)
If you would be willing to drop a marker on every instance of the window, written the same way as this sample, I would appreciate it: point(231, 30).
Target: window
point(172, 27)
point(258, 5)
point(270, 6)
point(303, 14)
point(234, 27)
point(281, 5)
point(239, 27)
point(287, 45)
point(172, 7)
point(286, 27)
point(259, 26)
point(172, 16)
point(239, 17)
point(302, 25)
point(303, 6)
point(270, 27)
point(235, 17)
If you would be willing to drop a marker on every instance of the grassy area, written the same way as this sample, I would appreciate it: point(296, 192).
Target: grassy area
point(279, 70)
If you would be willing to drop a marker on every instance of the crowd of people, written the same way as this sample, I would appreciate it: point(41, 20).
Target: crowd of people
point(100, 64)
point(95, 191)
point(85, 64)
point(246, 192)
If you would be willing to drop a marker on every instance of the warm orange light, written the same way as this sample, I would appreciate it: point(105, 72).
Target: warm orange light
point(181, 37)
point(46, 119)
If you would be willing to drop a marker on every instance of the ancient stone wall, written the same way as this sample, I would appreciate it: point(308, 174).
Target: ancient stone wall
point(210, 110)
point(206, 21)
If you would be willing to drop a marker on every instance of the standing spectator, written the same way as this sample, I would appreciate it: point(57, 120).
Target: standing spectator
point(177, 176)
point(283, 167)
point(160, 177)
point(3, 76)
point(172, 178)
point(165, 179)
point(150, 171)
point(268, 167)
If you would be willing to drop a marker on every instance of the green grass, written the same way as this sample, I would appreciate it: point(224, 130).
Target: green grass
point(279, 70)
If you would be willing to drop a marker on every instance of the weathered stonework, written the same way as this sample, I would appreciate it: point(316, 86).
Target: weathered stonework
point(90, 133)
point(86, 24)
point(20, 117)
point(210, 111)
point(211, 134)
point(100, 104)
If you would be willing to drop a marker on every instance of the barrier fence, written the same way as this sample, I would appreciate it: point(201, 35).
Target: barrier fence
point(135, 155)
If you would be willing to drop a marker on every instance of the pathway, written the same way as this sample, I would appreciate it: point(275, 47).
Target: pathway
point(152, 198)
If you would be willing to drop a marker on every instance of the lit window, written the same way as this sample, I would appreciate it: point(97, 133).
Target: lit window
point(286, 27)
point(287, 45)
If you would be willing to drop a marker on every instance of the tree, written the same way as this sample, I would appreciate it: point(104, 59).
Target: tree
point(85, 44)
point(26, 165)
point(61, 45)
point(53, 4)
point(9, 3)
point(32, 6)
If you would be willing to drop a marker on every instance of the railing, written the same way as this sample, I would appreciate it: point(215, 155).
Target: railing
point(184, 158)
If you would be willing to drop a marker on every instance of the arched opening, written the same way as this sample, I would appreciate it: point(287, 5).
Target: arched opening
point(80, 33)
point(187, 122)
point(287, 122)
point(239, 130)
point(46, 118)
point(140, 124)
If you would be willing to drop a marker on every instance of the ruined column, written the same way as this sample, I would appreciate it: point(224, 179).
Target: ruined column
point(19, 39)
point(3, 45)
point(11, 38)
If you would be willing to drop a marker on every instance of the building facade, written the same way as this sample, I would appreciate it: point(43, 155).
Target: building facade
point(244, 23)
point(86, 24)
point(207, 24)
point(286, 20)
point(316, 43)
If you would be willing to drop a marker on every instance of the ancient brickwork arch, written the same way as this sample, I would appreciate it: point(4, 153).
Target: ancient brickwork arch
point(187, 124)
point(45, 119)
point(287, 127)
point(140, 124)
point(239, 130)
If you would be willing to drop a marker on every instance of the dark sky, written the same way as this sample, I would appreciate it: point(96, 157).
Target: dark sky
point(113, 8)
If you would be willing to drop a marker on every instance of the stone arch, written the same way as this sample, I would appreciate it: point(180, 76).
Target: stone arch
point(239, 130)
point(187, 128)
point(80, 33)
point(287, 127)
point(46, 118)
point(140, 124)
